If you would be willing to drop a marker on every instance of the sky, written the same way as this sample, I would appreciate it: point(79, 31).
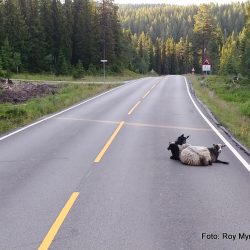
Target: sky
point(180, 2)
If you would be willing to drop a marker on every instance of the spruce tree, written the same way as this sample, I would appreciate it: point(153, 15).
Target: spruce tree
point(245, 58)
point(35, 50)
point(204, 27)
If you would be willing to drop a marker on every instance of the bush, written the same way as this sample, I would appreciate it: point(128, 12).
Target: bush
point(78, 71)
point(92, 70)
point(5, 73)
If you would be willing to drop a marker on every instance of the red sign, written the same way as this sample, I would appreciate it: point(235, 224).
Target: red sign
point(206, 62)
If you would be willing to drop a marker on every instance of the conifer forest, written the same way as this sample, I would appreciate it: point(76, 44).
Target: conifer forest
point(63, 36)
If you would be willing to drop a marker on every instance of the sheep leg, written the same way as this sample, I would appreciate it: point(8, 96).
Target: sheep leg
point(223, 162)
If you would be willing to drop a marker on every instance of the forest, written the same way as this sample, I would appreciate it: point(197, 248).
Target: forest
point(172, 39)
point(71, 37)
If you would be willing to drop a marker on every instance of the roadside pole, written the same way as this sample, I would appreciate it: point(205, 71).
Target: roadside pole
point(104, 70)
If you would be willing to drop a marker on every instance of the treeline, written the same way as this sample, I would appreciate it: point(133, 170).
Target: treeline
point(60, 36)
point(164, 21)
point(72, 36)
point(174, 39)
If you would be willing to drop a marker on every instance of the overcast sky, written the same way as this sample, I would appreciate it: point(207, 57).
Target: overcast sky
point(180, 2)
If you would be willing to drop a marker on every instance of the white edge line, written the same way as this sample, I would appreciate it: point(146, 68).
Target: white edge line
point(63, 111)
point(240, 158)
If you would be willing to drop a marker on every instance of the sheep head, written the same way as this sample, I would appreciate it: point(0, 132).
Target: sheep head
point(181, 139)
point(218, 147)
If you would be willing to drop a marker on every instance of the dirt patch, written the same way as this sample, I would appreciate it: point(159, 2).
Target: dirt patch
point(21, 92)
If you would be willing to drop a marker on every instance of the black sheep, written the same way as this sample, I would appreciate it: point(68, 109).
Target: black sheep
point(175, 148)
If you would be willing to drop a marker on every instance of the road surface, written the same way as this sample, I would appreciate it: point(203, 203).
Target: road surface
point(98, 176)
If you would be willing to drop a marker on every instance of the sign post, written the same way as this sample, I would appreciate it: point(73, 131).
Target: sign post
point(104, 73)
point(206, 66)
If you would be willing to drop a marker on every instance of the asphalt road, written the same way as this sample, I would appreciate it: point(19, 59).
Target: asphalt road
point(98, 176)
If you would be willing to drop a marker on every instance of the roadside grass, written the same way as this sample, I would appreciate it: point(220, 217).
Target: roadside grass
point(228, 101)
point(13, 116)
point(125, 75)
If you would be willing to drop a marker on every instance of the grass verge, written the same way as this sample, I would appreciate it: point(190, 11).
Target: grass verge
point(121, 77)
point(228, 101)
point(13, 116)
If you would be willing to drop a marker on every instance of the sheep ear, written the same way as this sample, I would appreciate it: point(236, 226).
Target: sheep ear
point(187, 137)
point(214, 145)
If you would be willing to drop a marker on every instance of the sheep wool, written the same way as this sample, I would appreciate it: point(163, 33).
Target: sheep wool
point(195, 156)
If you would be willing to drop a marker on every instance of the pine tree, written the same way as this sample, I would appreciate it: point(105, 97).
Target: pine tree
point(7, 53)
point(245, 59)
point(109, 30)
point(56, 17)
point(229, 58)
point(67, 30)
point(47, 30)
point(35, 50)
point(1, 23)
point(82, 34)
point(204, 28)
point(170, 56)
point(14, 28)
point(158, 61)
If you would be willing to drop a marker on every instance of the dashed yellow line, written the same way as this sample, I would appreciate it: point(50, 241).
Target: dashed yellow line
point(58, 222)
point(106, 146)
point(146, 94)
point(153, 86)
point(131, 110)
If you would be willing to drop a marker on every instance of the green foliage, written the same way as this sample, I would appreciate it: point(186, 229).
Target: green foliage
point(164, 21)
point(228, 102)
point(7, 61)
point(245, 108)
point(182, 36)
point(245, 47)
point(5, 73)
point(53, 36)
point(15, 113)
point(227, 90)
point(78, 71)
point(12, 116)
point(206, 34)
point(92, 70)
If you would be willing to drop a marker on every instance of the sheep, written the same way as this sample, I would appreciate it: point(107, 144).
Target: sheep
point(201, 156)
point(196, 156)
point(181, 140)
point(174, 146)
point(215, 151)
point(174, 150)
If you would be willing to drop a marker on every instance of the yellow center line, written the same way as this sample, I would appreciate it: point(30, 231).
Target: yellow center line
point(58, 222)
point(153, 86)
point(131, 110)
point(106, 146)
point(146, 94)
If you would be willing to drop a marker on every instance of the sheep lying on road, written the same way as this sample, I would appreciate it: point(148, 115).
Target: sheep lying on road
point(175, 146)
point(201, 156)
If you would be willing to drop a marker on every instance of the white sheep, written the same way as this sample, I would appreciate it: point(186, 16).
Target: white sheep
point(201, 156)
